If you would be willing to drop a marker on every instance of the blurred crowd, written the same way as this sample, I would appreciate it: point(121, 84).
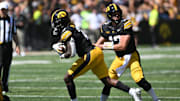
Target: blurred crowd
point(33, 16)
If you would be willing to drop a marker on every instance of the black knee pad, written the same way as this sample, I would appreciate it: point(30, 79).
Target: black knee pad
point(144, 84)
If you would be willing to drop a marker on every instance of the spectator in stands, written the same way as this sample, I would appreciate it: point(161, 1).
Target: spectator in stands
point(76, 18)
point(153, 20)
point(20, 22)
point(167, 9)
point(95, 20)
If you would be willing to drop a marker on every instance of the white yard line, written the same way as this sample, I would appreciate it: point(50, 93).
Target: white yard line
point(41, 96)
point(159, 56)
point(19, 62)
point(78, 88)
point(153, 56)
point(86, 81)
point(161, 49)
point(147, 49)
point(146, 57)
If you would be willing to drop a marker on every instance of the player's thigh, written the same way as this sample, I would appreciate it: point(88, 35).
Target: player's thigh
point(117, 63)
point(135, 68)
point(79, 67)
point(99, 68)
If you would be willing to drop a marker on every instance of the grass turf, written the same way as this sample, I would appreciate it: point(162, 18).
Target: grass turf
point(39, 77)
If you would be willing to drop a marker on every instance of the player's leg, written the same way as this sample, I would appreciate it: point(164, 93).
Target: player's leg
point(138, 76)
point(101, 72)
point(134, 92)
point(107, 89)
point(78, 68)
point(70, 87)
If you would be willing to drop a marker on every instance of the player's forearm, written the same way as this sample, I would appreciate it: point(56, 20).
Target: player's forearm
point(123, 43)
point(100, 42)
point(67, 54)
point(119, 47)
point(99, 45)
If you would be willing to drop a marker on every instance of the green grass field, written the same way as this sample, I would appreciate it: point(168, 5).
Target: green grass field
point(39, 77)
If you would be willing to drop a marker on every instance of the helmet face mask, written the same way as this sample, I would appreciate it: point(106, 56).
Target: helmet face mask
point(59, 19)
point(113, 10)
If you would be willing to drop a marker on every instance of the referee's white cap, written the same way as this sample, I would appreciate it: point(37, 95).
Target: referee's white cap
point(3, 5)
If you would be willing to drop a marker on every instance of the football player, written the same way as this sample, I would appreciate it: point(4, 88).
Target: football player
point(90, 57)
point(118, 32)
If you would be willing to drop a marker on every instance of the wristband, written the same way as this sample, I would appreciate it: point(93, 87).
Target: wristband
point(108, 46)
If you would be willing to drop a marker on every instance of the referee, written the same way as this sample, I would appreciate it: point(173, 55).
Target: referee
point(7, 34)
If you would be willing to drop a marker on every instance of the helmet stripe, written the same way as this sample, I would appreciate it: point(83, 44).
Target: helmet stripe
point(53, 15)
point(115, 7)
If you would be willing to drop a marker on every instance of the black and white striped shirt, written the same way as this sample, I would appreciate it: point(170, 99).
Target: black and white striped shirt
point(7, 29)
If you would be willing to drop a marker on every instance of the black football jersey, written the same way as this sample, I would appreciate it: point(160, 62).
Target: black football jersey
point(114, 34)
point(83, 44)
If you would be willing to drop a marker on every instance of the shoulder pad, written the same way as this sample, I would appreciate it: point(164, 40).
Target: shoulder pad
point(104, 31)
point(70, 27)
point(105, 26)
point(127, 24)
point(107, 23)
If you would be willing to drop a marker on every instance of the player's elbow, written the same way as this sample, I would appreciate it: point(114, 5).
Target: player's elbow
point(67, 55)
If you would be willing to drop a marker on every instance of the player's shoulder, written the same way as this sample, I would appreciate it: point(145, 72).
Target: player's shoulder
point(67, 32)
point(127, 23)
point(105, 26)
point(70, 27)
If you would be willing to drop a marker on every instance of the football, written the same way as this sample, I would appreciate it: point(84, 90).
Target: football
point(59, 47)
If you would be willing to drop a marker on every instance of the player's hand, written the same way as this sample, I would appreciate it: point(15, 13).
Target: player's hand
point(59, 47)
point(98, 45)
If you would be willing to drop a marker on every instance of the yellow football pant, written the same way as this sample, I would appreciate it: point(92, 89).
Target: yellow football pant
point(93, 60)
point(131, 61)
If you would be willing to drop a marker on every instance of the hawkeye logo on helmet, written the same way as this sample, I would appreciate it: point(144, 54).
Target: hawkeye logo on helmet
point(111, 6)
point(61, 14)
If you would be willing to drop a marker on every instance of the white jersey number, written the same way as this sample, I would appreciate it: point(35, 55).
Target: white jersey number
point(115, 38)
